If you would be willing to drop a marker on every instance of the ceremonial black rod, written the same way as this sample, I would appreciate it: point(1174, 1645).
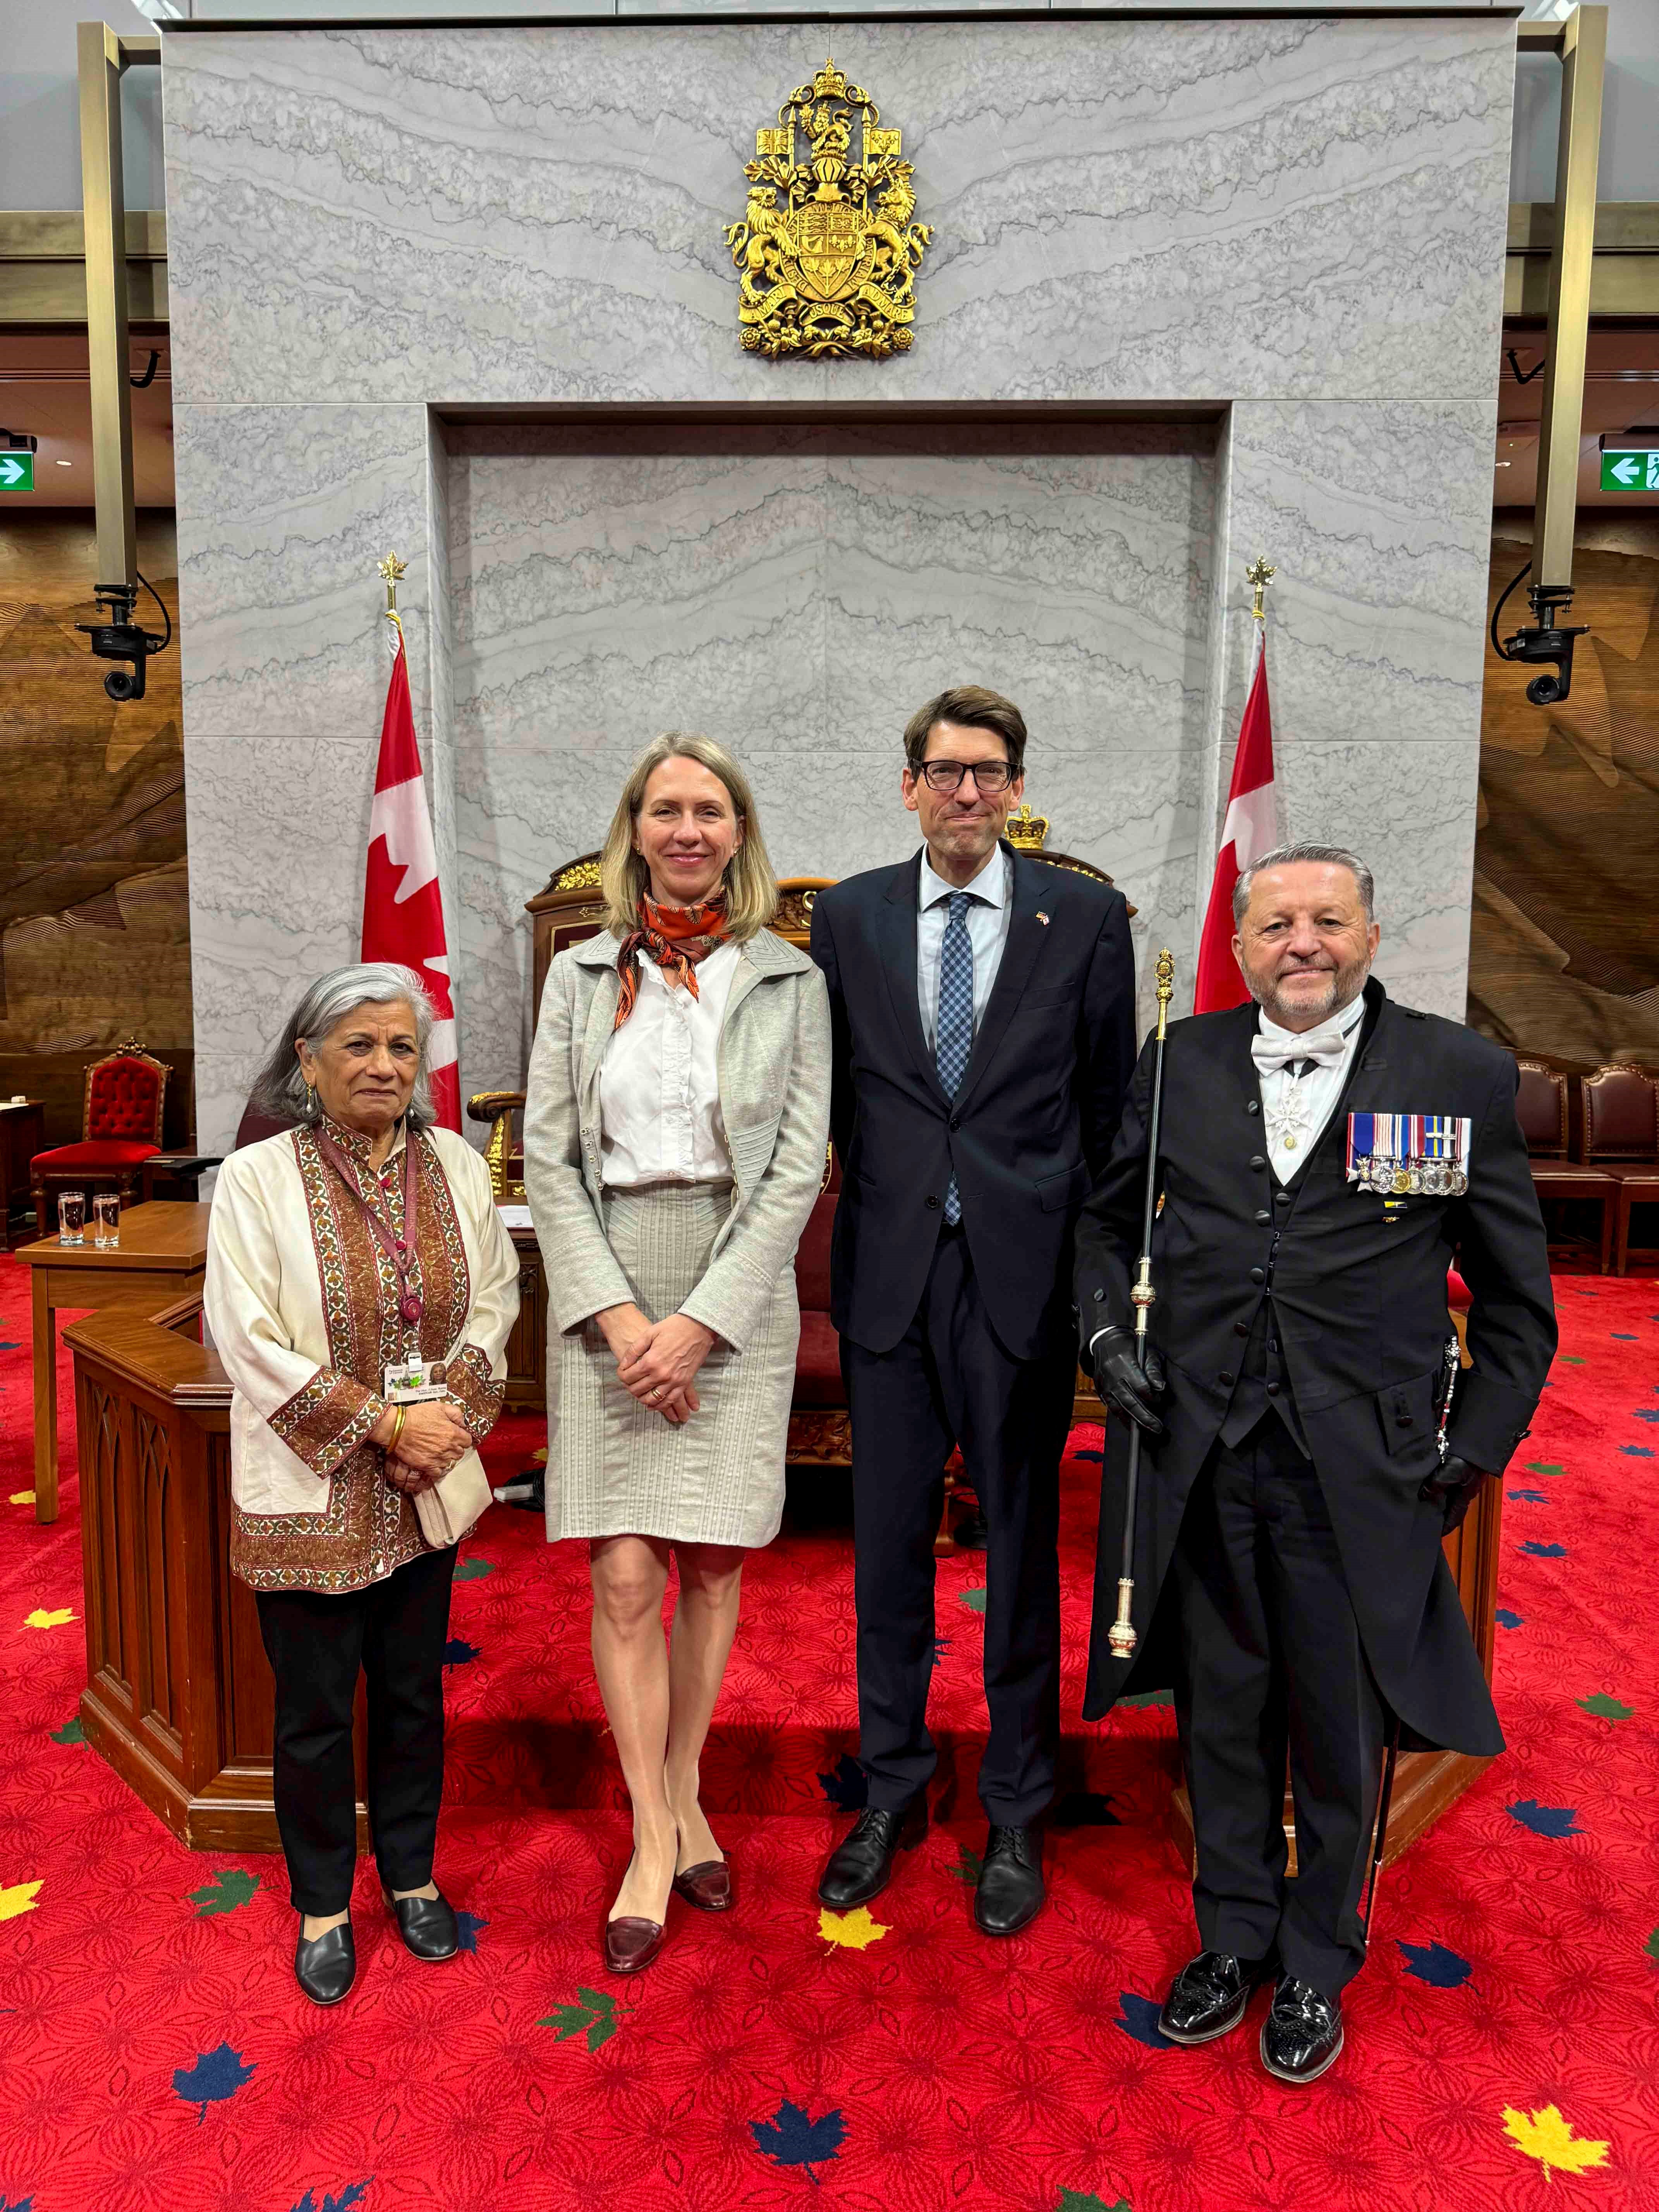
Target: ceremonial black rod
point(1122, 1638)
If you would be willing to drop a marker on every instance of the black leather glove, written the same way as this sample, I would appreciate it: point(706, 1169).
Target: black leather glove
point(1454, 1486)
point(1121, 1383)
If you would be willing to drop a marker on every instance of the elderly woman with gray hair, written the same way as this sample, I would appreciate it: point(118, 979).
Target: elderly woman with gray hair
point(349, 1258)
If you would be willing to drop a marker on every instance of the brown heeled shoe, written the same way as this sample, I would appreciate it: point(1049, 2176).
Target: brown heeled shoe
point(707, 1886)
point(630, 1944)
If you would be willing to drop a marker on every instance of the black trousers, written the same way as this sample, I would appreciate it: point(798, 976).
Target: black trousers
point(1271, 1657)
point(949, 1381)
point(395, 1631)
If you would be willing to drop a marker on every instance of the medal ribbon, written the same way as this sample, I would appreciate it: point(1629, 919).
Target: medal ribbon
point(399, 1250)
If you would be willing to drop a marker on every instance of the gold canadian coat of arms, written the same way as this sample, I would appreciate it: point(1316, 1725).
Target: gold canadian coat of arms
point(827, 248)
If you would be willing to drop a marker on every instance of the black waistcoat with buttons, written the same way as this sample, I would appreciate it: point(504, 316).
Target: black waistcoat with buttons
point(1353, 1286)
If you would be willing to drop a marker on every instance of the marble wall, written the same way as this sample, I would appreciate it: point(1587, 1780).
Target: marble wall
point(1295, 222)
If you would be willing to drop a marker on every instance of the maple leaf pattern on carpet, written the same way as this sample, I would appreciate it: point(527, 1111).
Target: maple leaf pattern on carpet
point(963, 2075)
point(1547, 2138)
point(216, 2075)
point(790, 2138)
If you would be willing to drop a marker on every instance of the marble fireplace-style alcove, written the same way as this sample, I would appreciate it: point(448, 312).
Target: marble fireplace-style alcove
point(796, 588)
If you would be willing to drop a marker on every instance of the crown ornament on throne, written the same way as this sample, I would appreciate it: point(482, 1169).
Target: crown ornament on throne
point(1027, 832)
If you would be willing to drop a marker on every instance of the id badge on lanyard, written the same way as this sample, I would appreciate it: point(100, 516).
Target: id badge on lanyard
point(415, 1382)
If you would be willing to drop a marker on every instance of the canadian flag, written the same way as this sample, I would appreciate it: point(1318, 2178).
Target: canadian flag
point(403, 907)
point(1249, 830)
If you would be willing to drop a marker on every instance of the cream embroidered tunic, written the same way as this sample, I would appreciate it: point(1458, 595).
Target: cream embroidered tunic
point(302, 1305)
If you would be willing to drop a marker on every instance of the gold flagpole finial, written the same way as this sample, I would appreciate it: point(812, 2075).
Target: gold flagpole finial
point(1260, 574)
point(391, 570)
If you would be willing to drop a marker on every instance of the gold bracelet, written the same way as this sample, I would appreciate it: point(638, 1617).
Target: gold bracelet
point(397, 1428)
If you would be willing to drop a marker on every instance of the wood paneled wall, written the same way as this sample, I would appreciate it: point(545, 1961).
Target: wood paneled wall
point(95, 917)
point(1563, 945)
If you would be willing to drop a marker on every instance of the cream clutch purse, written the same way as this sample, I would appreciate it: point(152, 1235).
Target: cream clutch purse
point(452, 1509)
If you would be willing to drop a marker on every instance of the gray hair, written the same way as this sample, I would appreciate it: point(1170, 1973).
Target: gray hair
point(1283, 856)
point(279, 1088)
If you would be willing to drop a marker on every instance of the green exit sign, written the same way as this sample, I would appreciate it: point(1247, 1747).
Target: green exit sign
point(1631, 471)
point(16, 473)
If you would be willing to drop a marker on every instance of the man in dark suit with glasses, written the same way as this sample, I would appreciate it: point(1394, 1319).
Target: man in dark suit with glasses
point(983, 1010)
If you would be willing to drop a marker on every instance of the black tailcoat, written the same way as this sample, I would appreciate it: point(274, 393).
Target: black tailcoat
point(1030, 1127)
point(1359, 1289)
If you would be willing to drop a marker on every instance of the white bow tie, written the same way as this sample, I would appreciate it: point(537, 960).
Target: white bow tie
point(1324, 1046)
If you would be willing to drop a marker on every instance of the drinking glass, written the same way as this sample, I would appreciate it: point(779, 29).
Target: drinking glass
point(107, 1220)
point(72, 1217)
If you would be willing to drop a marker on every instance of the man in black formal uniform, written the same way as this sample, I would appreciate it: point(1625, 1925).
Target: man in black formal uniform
point(1323, 1155)
point(983, 1005)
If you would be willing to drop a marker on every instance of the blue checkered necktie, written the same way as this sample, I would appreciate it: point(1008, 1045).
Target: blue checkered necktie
point(953, 1045)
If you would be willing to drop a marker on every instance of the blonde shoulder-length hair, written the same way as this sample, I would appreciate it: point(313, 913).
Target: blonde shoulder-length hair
point(752, 889)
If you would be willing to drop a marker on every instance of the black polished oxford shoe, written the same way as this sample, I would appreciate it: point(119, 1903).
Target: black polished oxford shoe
point(1210, 1995)
point(1009, 1894)
point(1302, 2032)
point(427, 1924)
point(861, 1865)
point(326, 1966)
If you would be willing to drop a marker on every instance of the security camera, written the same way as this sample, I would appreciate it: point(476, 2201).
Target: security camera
point(122, 638)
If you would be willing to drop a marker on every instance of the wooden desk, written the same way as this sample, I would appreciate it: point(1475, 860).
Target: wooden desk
point(179, 1697)
point(23, 1134)
point(160, 1259)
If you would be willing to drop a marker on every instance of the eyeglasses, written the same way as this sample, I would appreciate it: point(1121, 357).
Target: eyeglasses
point(989, 776)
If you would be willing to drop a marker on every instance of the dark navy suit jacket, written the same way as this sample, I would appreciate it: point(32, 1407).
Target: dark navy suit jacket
point(1031, 1127)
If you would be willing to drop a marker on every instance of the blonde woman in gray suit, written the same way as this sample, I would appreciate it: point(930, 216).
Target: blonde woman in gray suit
point(676, 1113)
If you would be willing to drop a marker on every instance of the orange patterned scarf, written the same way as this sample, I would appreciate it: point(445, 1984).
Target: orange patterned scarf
point(677, 938)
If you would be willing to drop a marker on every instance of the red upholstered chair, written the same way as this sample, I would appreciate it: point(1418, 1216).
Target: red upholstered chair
point(1542, 1105)
point(820, 1432)
point(120, 1129)
point(1620, 1125)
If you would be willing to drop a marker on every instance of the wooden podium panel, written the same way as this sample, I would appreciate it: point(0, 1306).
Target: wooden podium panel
point(178, 1698)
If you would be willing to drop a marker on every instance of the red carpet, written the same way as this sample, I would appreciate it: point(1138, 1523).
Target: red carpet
point(154, 2051)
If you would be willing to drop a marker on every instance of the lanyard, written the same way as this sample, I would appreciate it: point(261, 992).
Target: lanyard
point(400, 1250)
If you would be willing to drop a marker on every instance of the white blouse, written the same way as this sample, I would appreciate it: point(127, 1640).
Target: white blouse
point(659, 1100)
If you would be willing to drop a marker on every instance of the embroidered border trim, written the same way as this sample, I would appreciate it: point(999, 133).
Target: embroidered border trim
point(479, 1398)
point(325, 1422)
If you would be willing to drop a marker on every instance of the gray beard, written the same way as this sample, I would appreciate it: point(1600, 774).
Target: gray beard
point(1346, 984)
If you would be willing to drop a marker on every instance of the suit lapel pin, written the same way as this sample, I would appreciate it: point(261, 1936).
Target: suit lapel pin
point(1043, 917)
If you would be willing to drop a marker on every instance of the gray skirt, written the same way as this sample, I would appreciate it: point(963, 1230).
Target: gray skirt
point(614, 1466)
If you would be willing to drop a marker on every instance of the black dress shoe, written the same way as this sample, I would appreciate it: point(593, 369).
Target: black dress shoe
point(861, 1865)
point(1302, 2032)
point(326, 1966)
point(1009, 1894)
point(1210, 1995)
point(427, 1924)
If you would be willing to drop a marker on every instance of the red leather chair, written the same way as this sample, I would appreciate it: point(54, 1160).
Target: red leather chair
point(1621, 1126)
point(121, 1128)
point(1542, 1105)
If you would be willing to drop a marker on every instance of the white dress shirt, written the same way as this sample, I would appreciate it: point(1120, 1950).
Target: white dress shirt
point(659, 1098)
point(1295, 1107)
point(990, 906)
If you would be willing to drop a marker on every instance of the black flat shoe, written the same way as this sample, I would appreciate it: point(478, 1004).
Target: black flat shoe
point(1302, 2034)
point(1210, 1995)
point(326, 1966)
point(427, 1924)
point(1009, 1893)
point(861, 1865)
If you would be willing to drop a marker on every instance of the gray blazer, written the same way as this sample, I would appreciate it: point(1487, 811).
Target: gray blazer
point(774, 1097)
